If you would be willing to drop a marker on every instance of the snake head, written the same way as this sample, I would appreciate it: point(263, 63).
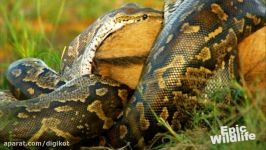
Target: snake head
point(134, 13)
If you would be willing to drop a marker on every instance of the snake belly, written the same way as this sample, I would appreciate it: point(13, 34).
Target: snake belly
point(194, 56)
point(77, 59)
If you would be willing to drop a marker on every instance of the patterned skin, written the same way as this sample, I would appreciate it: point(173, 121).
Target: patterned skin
point(193, 57)
point(55, 98)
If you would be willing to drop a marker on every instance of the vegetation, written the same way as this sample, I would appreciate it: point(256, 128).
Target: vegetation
point(244, 110)
point(35, 29)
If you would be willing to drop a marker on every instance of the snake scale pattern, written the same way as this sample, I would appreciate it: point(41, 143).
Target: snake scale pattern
point(193, 57)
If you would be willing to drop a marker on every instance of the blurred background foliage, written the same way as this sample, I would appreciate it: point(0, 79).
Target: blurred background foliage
point(42, 28)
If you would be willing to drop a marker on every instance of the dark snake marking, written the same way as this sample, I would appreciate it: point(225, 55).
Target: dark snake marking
point(31, 77)
point(194, 56)
point(67, 113)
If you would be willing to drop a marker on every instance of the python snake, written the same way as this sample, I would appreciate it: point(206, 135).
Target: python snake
point(193, 57)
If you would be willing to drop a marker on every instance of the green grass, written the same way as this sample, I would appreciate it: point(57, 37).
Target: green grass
point(242, 111)
point(19, 39)
point(35, 29)
point(43, 28)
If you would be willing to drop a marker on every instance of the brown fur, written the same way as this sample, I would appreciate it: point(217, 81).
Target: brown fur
point(252, 60)
point(122, 54)
point(252, 65)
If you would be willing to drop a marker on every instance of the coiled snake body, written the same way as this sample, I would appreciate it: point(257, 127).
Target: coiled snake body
point(193, 57)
